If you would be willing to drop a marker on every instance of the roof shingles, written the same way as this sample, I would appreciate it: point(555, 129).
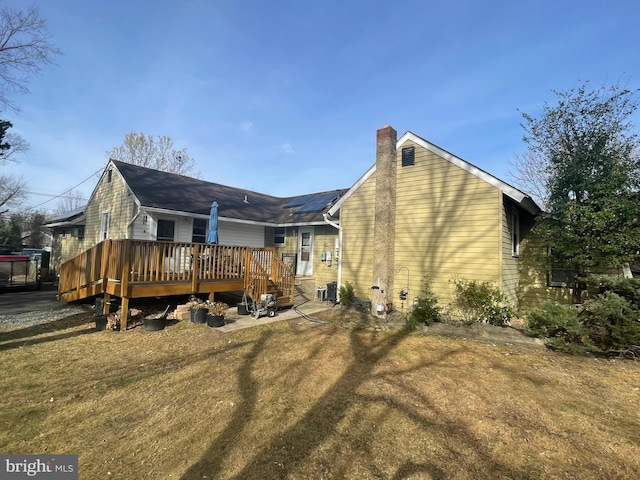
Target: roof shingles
point(169, 191)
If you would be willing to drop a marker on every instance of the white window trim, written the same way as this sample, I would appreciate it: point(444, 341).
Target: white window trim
point(104, 225)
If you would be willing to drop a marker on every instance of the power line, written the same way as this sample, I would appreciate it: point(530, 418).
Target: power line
point(52, 195)
point(66, 191)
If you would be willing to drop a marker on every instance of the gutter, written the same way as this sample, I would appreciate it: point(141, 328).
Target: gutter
point(325, 216)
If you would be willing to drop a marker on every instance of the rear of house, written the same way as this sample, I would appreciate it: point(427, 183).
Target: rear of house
point(451, 221)
point(419, 213)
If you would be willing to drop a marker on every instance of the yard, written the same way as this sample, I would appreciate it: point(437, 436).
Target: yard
point(302, 400)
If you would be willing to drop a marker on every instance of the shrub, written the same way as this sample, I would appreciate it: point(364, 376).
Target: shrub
point(612, 323)
point(425, 309)
point(628, 288)
point(347, 297)
point(553, 319)
point(481, 302)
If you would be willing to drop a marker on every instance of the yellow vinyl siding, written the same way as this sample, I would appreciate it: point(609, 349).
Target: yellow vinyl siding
point(509, 262)
point(533, 289)
point(65, 248)
point(357, 220)
point(323, 241)
point(113, 198)
point(447, 226)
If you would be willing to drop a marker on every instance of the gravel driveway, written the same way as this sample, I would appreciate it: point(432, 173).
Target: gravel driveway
point(27, 307)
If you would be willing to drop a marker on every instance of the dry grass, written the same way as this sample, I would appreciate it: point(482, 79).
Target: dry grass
point(298, 401)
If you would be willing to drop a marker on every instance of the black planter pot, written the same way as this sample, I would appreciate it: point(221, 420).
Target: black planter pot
point(199, 315)
point(154, 324)
point(215, 321)
point(242, 309)
point(101, 322)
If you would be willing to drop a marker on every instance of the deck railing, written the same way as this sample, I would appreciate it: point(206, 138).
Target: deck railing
point(134, 263)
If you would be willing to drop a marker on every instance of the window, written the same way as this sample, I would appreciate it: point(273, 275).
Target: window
point(559, 277)
point(199, 234)
point(408, 156)
point(515, 234)
point(279, 235)
point(109, 175)
point(104, 226)
point(79, 232)
point(166, 229)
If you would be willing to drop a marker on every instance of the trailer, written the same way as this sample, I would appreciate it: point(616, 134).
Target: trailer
point(19, 271)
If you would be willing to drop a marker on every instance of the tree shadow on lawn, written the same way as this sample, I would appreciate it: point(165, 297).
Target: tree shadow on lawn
point(11, 339)
point(294, 449)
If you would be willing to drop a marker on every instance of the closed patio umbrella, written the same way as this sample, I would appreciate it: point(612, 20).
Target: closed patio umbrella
point(212, 236)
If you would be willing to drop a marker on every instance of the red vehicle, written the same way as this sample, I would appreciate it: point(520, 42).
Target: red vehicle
point(18, 271)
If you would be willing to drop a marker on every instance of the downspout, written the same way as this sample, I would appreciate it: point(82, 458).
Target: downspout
point(325, 216)
point(131, 222)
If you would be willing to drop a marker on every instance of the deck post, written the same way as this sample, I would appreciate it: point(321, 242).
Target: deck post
point(124, 284)
point(195, 268)
point(104, 262)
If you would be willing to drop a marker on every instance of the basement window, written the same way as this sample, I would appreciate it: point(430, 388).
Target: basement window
point(408, 156)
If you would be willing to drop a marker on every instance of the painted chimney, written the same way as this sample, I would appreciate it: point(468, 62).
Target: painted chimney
point(385, 219)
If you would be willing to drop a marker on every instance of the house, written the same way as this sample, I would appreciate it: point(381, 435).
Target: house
point(419, 212)
point(138, 203)
point(67, 232)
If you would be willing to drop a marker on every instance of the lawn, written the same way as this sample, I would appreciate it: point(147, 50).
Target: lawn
point(301, 400)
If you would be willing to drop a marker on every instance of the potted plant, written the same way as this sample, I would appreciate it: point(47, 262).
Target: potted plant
point(198, 309)
point(156, 321)
point(101, 322)
point(217, 312)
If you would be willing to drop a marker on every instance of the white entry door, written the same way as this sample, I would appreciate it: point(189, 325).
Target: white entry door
point(305, 251)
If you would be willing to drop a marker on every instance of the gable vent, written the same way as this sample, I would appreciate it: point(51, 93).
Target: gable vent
point(408, 156)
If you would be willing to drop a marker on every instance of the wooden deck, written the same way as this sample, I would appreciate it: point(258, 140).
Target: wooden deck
point(136, 269)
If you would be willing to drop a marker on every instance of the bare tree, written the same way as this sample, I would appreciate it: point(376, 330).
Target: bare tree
point(10, 144)
point(530, 174)
point(71, 200)
point(11, 192)
point(24, 49)
point(157, 153)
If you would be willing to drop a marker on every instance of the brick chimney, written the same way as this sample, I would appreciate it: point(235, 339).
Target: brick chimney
point(385, 219)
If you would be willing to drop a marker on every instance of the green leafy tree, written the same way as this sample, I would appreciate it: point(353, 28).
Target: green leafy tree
point(590, 154)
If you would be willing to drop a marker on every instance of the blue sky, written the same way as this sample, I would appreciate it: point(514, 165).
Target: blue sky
point(285, 97)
